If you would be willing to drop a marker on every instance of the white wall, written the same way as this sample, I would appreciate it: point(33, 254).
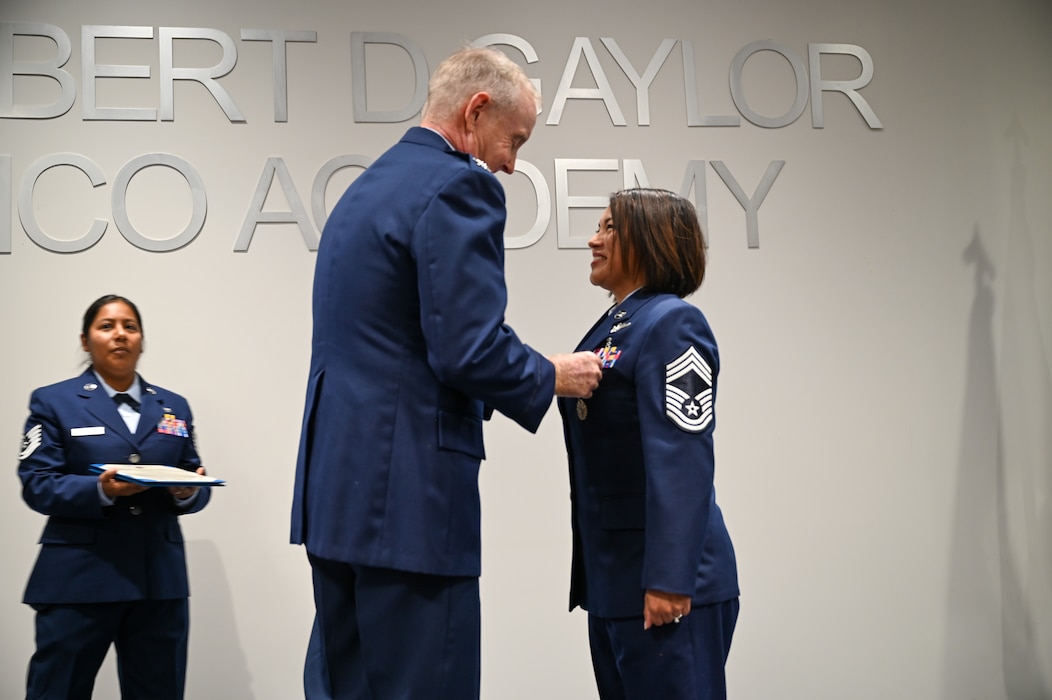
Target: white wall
point(884, 450)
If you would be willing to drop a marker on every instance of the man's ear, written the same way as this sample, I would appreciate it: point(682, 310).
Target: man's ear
point(478, 103)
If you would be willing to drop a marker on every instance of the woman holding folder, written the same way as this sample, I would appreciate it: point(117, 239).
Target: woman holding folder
point(111, 568)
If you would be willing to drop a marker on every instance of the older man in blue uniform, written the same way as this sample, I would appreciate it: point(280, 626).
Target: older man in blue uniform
point(410, 354)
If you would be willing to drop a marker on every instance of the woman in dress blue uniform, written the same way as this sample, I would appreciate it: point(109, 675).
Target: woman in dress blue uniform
point(652, 561)
point(111, 568)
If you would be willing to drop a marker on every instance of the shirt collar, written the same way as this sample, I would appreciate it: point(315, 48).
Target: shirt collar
point(440, 136)
point(622, 302)
point(134, 391)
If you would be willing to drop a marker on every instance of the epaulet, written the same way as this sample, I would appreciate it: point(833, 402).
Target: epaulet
point(481, 163)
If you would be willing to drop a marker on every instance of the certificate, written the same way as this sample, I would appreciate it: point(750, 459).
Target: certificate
point(157, 475)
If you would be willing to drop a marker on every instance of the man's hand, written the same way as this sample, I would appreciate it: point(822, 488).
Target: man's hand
point(577, 375)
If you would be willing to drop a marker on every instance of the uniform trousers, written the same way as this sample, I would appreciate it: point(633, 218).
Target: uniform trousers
point(683, 661)
point(382, 634)
point(72, 640)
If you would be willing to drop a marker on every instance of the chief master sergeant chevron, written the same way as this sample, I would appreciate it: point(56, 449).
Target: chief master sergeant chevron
point(410, 354)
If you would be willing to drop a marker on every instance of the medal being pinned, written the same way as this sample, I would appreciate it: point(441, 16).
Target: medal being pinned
point(608, 354)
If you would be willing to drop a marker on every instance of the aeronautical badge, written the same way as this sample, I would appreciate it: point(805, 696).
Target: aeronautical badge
point(31, 441)
point(481, 163)
point(688, 391)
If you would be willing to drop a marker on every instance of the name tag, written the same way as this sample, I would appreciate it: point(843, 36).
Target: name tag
point(82, 432)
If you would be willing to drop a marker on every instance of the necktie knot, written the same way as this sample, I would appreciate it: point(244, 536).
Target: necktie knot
point(125, 398)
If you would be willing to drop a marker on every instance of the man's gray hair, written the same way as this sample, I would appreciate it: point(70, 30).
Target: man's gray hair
point(472, 70)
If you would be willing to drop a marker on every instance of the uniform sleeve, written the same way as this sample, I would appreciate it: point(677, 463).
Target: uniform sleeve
point(48, 486)
point(459, 248)
point(191, 460)
point(676, 387)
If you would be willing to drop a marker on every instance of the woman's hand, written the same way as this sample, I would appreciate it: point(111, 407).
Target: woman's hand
point(115, 488)
point(181, 493)
point(660, 608)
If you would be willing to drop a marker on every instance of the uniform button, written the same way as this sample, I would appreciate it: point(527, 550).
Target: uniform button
point(135, 510)
point(134, 458)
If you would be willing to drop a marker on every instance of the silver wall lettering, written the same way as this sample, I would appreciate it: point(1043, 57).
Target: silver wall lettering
point(205, 76)
point(848, 87)
point(544, 207)
point(5, 204)
point(89, 71)
point(52, 69)
point(279, 38)
point(810, 85)
point(583, 47)
point(751, 206)
point(120, 202)
point(635, 174)
point(361, 111)
point(321, 183)
point(515, 42)
point(641, 83)
point(28, 216)
point(564, 201)
point(690, 90)
point(807, 87)
point(695, 177)
point(738, 89)
point(297, 213)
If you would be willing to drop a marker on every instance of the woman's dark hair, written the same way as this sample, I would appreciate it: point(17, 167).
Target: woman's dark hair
point(96, 306)
point(661, 238)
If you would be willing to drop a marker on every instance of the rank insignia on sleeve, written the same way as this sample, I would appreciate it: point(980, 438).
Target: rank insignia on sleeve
point(31, 441)
point(688, 391)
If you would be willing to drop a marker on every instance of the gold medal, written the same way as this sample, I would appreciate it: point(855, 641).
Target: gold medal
point(582, 409)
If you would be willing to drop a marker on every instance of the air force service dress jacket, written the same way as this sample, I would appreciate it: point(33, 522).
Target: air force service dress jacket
point(409, 354)
point(641, 463)
point(93, 553)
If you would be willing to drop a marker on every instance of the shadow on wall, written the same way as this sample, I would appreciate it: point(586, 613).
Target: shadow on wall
point(217, 667)
point(972, 665)
point(999, 632)
point(1025, 470)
